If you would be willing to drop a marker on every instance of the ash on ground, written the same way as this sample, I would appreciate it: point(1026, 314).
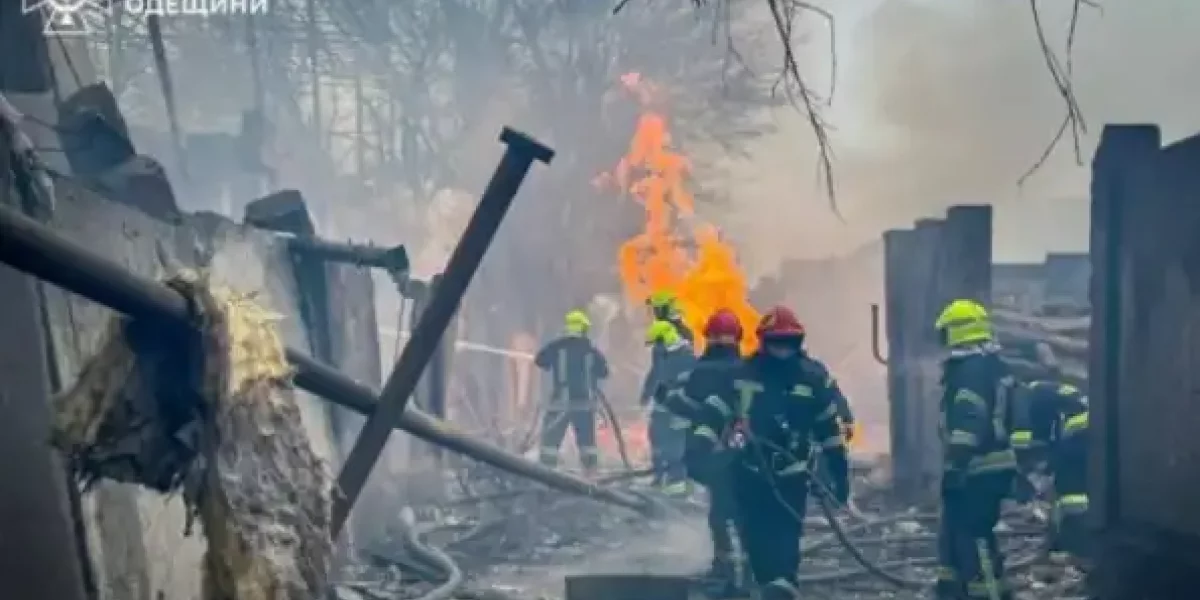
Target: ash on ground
point(523, 545)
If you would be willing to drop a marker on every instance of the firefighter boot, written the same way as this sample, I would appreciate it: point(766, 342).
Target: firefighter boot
point(722, 579)
point(779, 589)
point(947, 586)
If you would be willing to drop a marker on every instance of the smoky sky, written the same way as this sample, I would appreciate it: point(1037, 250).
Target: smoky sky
point(950, 103)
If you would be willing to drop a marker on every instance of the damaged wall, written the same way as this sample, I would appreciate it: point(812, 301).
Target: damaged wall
point(1144, 360)
point(936, 261)
point(135, 538)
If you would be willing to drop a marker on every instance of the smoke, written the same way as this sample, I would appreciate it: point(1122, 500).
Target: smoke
point(950, 103)
point(940, 103)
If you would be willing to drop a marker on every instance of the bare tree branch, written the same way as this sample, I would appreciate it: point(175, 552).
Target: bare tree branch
point(1073, 121)
point(790, 81)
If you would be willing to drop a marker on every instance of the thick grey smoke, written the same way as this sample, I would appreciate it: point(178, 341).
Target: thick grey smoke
point(943, 103)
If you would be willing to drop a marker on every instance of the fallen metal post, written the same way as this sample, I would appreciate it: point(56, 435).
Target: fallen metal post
point(444, 300)
point(37, 250)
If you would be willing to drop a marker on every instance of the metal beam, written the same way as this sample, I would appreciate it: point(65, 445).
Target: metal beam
point(37, 250)
point(444, 300)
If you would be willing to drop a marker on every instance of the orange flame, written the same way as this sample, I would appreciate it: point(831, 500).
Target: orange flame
point(675, 251)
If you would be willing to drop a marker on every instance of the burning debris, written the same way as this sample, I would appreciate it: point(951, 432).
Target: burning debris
point(210, 413)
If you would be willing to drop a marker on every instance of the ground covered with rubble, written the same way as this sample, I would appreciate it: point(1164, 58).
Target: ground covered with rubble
point(517, 542)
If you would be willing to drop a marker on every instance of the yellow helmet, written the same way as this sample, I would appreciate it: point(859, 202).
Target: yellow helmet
point(964, 322)
point(577, 322)
point(661, 299)
point(663, 331)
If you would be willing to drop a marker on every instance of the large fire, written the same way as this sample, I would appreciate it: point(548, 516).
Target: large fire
point(676, 251)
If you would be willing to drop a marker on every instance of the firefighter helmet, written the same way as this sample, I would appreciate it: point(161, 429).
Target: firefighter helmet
point(662, 299)
point(577, 322)
point(723, 327)
point(964, 322)
point(780, 323)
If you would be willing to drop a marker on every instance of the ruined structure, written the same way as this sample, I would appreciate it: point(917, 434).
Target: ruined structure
point(1146, 458)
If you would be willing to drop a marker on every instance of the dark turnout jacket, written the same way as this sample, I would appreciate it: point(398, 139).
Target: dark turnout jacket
point(844, 414)
point(666, 365)
point(977, 411)
point(1051, 422)
point(575, 367)
point(771, 412)
point(711, 375)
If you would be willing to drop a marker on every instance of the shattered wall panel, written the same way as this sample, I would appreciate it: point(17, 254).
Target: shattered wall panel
point(136, 538)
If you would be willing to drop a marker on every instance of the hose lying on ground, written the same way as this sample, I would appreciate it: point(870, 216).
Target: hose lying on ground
point(432, 556)
point(826, 501)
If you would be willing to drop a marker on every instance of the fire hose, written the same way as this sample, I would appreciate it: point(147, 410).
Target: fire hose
point(618, 433)
point(432, 557)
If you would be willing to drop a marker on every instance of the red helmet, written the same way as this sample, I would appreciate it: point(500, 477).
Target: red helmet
point(723, 327)
point(779, 323)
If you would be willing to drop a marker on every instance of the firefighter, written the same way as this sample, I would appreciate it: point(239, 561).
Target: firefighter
point(979, 462)
point(706, 463)
point(845, 417)
point(665, 307)
point(576, 367)
point(1050, 432)
point(780, 406)
point(671, 356)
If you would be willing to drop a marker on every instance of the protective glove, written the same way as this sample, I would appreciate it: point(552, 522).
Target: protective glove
point(848, 431)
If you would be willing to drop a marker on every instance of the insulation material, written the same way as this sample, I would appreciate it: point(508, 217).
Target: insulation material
point(209, 413)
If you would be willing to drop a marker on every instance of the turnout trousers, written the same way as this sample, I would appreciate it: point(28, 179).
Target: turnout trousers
point(971, 565)
point(668, 441)
point(713, 472)
point(1068, 535)
point(769, 529)
point(581, 420)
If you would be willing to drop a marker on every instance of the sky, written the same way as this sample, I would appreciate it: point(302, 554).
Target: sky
point(949, 102)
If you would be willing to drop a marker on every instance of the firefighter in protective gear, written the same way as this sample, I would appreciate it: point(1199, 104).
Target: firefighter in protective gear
point(665, 307)
point(979, 462)
point(845, 418)
point(707, 462)
point(780, 405)
point(576, 368)
point(671, 356)
point(1050, 429)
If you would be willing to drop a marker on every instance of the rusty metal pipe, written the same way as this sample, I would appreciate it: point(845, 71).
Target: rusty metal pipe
point(37, 250)
point(393, 260)
point(444, 300)
point(876, 349)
